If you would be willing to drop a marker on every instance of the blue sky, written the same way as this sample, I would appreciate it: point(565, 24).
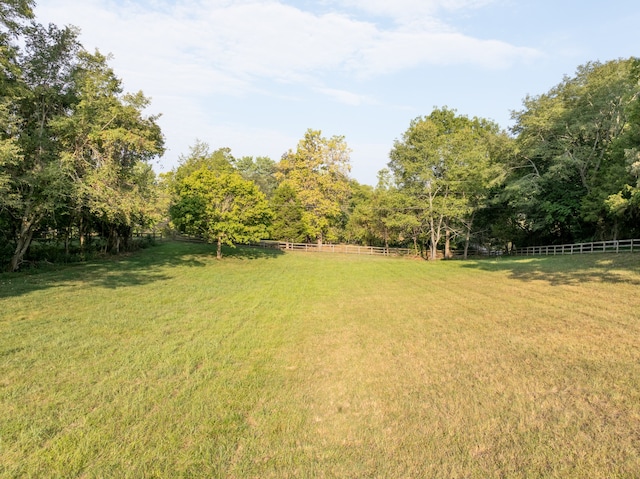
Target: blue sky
point(254, 75)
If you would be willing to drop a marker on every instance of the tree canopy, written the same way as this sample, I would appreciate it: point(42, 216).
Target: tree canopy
point(318, 173)
point(444, 165)
point(573, 146)
point(221, 207)
point(74, 149)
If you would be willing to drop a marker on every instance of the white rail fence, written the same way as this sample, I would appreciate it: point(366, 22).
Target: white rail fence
point(617, 246)
point(614, 246)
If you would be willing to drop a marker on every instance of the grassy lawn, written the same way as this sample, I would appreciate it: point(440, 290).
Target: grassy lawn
point(168, 363)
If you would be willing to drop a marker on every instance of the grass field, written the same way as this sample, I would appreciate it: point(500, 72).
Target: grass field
point(168, 363)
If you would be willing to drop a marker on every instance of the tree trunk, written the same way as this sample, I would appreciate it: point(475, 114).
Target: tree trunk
point(67, 240)
point(435, 236)
point(81, 233)
point(433, 251)
point(467, 237)
point(386, 242)
point(435, 230)
point(113, 241)
point(23, 241)
point(219, 251)
point(447, 244)
point(127, 237)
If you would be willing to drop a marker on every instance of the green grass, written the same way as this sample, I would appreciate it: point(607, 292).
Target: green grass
point(168, 363)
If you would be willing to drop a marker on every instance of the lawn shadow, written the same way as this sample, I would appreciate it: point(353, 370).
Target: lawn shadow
point(567, 269)
point(129, 269)
point(250, 252)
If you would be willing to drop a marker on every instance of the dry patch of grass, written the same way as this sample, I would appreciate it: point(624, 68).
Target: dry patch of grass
point(171, 364)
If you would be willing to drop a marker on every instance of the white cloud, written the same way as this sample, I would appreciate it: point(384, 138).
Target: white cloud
point(346, 97)
point(398, 50)
point(223, 46)
point(422, 13)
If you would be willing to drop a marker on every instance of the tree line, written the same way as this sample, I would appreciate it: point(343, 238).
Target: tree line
point(75, 153)
point(74, 148)
point(567, 171)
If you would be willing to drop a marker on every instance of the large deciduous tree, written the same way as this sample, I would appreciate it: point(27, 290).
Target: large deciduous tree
point(43, 89)
point(318, 173)
point(567, 165)
point(221, 207)
point(624, 205)
point(108, 144)
point(74, 149)
point(383, 217)
point(442, 164)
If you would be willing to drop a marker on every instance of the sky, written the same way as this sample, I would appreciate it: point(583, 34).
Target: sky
point(255, 75)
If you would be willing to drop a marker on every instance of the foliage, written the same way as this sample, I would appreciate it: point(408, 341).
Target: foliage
point(288, 215)
point(108, 144)
point(200, 156)
point(624, 205)
point(567, 165)
point(444, 164)
point(32, 175)
point(317, 172)
point(220, 207)
point(75, 154)
point(12, 15)
point(74, 150)
point(260, 170)
point(383, 217)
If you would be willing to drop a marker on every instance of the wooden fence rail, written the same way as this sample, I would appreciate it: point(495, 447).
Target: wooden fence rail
point(335, 248)
point(148, 235)
point(617, 246)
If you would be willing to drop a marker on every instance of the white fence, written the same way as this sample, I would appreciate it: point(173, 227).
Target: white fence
point(617, 246)
point(614, 246)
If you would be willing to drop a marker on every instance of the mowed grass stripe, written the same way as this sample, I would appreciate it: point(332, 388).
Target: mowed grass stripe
point(169, 363)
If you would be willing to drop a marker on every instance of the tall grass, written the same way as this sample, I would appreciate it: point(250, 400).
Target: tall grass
point(168, 363)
